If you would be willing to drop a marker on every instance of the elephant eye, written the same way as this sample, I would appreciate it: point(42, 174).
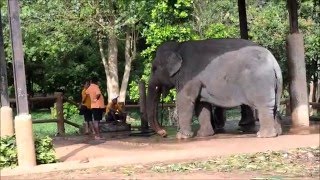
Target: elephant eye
point(154, 68)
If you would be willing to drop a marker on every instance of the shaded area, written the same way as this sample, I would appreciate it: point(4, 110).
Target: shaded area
point(231, 131)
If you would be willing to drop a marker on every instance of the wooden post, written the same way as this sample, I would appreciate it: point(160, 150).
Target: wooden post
point(23, 121)
point(3, 71)
point(142, 103)
point(59, 109)
point(288, 108)
point(243, 19)
point(297, 70)
point(6, 117)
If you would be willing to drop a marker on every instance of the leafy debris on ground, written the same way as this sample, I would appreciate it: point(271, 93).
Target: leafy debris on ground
point(301, 162)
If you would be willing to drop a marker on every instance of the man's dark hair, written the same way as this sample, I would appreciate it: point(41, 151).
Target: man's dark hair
point(86, 81)
point(94, 80)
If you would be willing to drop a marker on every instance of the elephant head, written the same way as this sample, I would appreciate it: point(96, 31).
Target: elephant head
point(164, 68)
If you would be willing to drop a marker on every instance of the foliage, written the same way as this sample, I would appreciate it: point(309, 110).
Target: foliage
point(44, 150)
point(8, 151)
point(309, 24)
point(219, 30)
point(59, 52)
point(61, 48)
point(268, 26)
point(168, 21)
point(69, 110)
point(293, 163)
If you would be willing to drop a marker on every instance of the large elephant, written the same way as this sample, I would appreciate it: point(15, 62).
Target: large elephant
point(221, 72)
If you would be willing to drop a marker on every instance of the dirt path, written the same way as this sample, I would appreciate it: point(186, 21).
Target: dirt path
point(117, 152)
point(81, 157)
point(92, 174)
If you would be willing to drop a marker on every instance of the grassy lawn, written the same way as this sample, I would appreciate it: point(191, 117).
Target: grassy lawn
point(50, 129)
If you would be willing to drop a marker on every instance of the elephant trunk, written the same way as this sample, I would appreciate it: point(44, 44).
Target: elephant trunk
point(153, 98)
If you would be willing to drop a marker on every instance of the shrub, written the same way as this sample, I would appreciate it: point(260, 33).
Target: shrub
point(69, 110)
point(8, 151)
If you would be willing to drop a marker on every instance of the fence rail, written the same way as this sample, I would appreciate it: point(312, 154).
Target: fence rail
point(59, 99)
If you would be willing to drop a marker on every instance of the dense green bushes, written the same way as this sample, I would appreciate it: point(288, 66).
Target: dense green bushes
point(8, 151)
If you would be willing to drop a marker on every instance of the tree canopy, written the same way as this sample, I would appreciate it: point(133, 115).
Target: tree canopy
point(65, 42)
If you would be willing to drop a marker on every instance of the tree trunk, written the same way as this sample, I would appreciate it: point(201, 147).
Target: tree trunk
point(104, 60)
point(113, 79)
point(142, 102)
point(297, 70)
point(130, 53)
point(298, 82)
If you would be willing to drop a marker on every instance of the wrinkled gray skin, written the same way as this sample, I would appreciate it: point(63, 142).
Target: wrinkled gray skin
point(221, 72)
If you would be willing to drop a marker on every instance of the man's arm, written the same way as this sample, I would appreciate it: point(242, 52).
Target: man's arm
point(98, 93)
point(98, 96)
point(83, 95)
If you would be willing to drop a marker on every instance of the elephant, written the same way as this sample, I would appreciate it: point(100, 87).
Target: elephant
point(224, 72)
point(247, 122)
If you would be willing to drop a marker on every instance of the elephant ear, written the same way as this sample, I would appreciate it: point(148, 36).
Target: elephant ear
point(174, 63)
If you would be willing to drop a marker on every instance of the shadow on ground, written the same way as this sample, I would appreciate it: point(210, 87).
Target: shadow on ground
point(124, 141)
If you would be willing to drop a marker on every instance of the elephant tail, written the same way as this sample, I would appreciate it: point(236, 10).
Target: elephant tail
point(278, 87)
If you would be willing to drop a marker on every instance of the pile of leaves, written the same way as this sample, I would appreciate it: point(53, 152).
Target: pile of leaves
point(8, 151)
point(296, 163)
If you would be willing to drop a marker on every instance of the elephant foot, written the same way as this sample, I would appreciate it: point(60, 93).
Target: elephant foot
point(219, 130)
point(247, 122)
point(205, 134)
point(278, 127)
point(249, 128)
point(181, 135)
point(267, 133)
point(162, 133)
point(202, 134)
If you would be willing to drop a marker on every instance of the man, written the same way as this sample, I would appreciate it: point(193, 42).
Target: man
point(85, 108)
point(97, 104)
point(114, 111)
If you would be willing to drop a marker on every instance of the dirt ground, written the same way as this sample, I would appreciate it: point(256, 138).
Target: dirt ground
point(81, 157)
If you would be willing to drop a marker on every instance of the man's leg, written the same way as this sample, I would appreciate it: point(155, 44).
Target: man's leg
point(91, 126)
point(88, 121)
point(110, 117)
point(97, 117)
point(122, 117)
point(86, 127)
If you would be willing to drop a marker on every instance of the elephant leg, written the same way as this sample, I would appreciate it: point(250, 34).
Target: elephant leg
point(186, 99)
point(247, 122)
point(205, 117)
point(219, 119)
point(269, 126)
point(278, 124)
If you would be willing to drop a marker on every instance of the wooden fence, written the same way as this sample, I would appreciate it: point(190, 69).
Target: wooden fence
point(47, 102)
point(59, 99)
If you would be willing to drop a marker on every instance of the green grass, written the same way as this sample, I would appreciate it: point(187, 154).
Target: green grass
point(50, 129)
